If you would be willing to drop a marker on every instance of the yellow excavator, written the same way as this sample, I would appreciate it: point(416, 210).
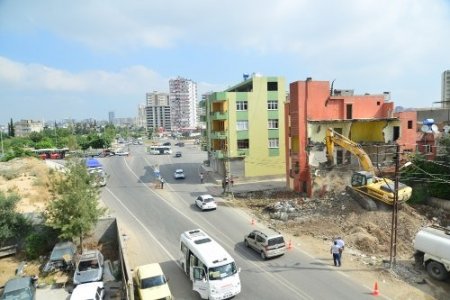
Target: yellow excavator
point(365, 186)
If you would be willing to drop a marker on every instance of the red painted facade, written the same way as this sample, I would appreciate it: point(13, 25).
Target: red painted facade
point(313, 101)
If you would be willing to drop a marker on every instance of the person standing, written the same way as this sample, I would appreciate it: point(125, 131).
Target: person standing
point(341, 244)
point(201, 177)
point(335, 250)
point(162, 182)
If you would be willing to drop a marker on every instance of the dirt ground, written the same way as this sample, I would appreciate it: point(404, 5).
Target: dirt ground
point(312, 224)
point(309, 224)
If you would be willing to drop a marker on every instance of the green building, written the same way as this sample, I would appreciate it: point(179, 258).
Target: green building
point(245, 128)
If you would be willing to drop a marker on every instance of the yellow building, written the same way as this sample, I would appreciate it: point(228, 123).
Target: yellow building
point(246, 129)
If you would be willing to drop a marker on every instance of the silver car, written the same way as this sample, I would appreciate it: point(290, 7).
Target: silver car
point(267, 242)
point(89, 267)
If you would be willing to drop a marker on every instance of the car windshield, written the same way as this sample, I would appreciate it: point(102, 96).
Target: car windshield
point(179, 172)
point(152, 281)
point(221, 272)
point(207, 200)
point(276, 241)
point(88, 265)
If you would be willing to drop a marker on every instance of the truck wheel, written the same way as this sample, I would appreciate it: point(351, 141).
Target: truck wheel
point(437, 270)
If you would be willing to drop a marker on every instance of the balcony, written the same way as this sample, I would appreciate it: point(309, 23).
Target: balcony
point(218, 135)
point(218, 154)
point(219, 115)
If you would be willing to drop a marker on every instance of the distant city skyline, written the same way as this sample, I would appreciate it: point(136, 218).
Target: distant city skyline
point(83, 59)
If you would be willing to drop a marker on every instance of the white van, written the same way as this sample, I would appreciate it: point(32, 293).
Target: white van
point(212, 270)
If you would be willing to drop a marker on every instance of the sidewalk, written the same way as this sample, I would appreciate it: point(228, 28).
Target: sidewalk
point(213, 182)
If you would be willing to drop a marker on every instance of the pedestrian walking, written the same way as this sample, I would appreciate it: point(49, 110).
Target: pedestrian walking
point(162, 182)
point(340, 243)
point(201, 177)
point(335, 250)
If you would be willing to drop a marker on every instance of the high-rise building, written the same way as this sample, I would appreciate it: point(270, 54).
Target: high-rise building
point(183, 103)
point(157, 111)
point(445, 95)
point(111, 117)
point(141, 121)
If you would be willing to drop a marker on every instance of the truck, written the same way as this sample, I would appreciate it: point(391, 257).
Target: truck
point(365, 185)
point(432, 250)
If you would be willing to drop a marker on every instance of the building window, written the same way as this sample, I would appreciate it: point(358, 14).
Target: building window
point(272, 104)
point(272, 86)
point(410, 124)
point(274, 143)
point(242, 144)
point(241, 125)
point(241, 105)
point(273, 124)
point(427, 148)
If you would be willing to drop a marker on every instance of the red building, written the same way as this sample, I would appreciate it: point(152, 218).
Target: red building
point(314, 106)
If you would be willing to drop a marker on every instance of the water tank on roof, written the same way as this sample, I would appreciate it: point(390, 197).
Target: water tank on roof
point(428, 122)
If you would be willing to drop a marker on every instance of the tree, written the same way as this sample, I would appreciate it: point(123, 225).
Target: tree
point(73, 210)
point(12, 223)
point(11, 129)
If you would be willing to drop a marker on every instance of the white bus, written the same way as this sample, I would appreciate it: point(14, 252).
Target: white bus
point(156, 150)
point(212, 270)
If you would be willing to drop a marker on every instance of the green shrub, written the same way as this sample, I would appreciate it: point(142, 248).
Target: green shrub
point(35, 245)
point(419, 195)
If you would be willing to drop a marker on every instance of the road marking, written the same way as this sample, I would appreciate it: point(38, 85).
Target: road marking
point(282, 281)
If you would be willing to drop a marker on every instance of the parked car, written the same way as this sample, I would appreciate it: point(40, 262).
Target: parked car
point(167, 144)
point(178, 154)
point(179, 144)
point(22, 288)
point(91, 290)
point(61, 257)
point(267, 242)
point(205, 202)
point(179, 174)
point(151, 282)
point(89, 267)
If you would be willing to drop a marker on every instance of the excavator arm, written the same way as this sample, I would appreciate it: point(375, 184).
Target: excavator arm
point(332, 137)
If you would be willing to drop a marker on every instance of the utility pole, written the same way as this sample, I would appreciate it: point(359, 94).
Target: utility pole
point(393, 248)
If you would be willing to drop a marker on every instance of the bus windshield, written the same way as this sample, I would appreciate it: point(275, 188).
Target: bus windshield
point(221, 272)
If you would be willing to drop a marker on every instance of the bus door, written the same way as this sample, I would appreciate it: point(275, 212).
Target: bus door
point(192, 264)
point(200, 283)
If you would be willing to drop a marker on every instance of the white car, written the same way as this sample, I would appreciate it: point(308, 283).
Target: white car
point(122, 153)
point(179, 174)
point(205, 202)
point(91, 290)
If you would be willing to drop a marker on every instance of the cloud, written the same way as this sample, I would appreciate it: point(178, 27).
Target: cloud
point(29, 77)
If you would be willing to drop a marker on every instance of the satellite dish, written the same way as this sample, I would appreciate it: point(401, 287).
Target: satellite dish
point(446, 128)
point(434, 128)
point(425, 128)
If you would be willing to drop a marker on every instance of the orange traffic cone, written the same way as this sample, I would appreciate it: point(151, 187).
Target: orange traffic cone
point(375, 292)
point(290, 245)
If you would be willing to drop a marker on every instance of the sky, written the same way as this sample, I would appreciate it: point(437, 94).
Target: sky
point(63, 59)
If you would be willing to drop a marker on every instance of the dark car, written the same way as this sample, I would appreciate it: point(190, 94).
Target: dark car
point(61, 257)
point(20, 288)
point(167, 144)
point(179, 144)
point(178, 154)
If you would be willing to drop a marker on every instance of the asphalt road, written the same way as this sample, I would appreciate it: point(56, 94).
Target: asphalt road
point(158, 217)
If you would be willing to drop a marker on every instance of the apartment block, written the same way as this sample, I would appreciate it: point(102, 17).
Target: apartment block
point(183, 103)
point(157, 111)
point(366, 119)
point(25, 127)
point(245, 128)
point(445, 93)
